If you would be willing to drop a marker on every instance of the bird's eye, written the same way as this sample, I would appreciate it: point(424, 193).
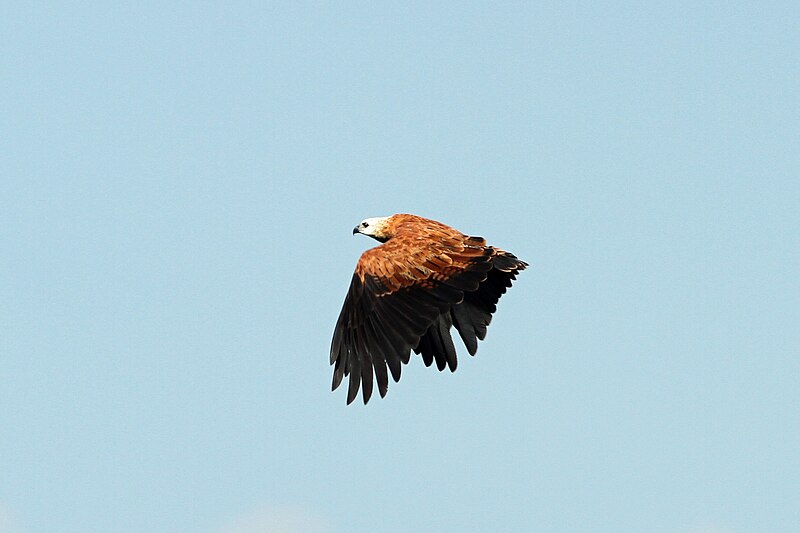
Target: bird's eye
point(364, 224)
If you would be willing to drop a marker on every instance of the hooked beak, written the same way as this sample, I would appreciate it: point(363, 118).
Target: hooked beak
point(355, 230)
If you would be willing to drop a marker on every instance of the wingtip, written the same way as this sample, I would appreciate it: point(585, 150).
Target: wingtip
point(352, 390)
point(337, 379)
point(452, 365)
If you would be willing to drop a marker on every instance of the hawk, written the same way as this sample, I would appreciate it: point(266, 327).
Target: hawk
point(408, 292)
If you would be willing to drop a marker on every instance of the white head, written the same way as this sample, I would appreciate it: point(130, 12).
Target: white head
point(373, 227)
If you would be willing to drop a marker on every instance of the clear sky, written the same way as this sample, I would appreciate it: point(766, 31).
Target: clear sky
point(178, 185)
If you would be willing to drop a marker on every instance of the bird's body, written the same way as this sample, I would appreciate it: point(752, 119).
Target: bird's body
point(408, 292)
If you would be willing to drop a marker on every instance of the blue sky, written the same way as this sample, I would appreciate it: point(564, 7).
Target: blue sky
point(179, 184)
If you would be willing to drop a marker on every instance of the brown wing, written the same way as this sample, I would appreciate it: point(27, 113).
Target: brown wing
point(405, 295)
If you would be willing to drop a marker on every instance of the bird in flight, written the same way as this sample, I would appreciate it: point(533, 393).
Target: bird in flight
point(408, 292)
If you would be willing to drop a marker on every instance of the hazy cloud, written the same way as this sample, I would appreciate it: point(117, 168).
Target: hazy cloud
point(8, 523)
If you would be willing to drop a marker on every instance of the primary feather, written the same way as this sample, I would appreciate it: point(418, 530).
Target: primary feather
point(408, 292)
